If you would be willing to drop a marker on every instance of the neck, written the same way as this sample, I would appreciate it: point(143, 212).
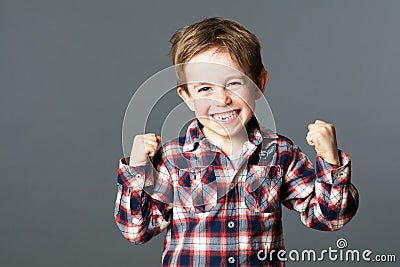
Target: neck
point(230, 145)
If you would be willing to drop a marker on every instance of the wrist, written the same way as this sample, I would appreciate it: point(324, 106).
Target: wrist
point(136, 163)
point(334, 159)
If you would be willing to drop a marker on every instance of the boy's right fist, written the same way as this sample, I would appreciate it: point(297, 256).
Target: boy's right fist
point(143, 147)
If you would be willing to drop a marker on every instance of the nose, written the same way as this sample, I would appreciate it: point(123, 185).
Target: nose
point(223, 96)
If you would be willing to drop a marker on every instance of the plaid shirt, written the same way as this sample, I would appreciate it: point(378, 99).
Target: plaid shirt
point(219, 215)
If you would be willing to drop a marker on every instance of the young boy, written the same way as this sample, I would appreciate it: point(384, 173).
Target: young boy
point(218, 190)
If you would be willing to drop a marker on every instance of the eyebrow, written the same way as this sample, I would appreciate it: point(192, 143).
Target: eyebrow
point(239, 76)
point(200, 83)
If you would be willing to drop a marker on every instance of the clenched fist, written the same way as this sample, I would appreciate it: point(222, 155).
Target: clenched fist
point(322, 136)
point(143, 147)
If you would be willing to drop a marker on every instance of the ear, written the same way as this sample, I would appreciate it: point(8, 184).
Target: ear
point(262, 82)
point(185, 97)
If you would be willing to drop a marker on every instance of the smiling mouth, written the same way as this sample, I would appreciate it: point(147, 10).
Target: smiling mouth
point(226, 116)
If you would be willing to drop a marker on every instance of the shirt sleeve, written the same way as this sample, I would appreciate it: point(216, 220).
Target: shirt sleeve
point(140, 212)
point(324, 195)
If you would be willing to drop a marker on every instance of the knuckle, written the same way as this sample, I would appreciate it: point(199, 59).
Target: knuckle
point(330, 126)
point(328, 130)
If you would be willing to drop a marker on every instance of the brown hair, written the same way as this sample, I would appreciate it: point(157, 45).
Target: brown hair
point(242, 45)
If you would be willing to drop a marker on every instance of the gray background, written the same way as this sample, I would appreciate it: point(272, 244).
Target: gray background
point(69, 68)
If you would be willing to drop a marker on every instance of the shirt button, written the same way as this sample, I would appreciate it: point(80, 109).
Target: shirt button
point(231, 225)
point(231, 260)
point(339, 174)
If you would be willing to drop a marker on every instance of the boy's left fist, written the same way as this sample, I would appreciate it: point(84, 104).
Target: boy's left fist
point(322, 136)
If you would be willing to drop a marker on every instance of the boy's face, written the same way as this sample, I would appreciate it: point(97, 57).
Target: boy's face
point(221, 95)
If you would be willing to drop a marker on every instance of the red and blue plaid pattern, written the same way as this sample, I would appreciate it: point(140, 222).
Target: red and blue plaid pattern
point(219, 215)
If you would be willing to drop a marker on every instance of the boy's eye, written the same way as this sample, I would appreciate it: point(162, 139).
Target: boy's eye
point(204, 89)
point(234, 84)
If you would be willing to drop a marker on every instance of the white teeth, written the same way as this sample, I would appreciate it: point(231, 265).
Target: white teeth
point(225, 116)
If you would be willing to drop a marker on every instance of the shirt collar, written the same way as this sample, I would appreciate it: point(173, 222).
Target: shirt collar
point(256, 134)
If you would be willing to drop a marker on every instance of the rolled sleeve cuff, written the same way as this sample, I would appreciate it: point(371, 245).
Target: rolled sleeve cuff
point(334, 174)
point(129, 176)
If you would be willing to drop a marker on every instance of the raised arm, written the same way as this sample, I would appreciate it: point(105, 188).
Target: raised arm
point(142, 209)
point(324, 195)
